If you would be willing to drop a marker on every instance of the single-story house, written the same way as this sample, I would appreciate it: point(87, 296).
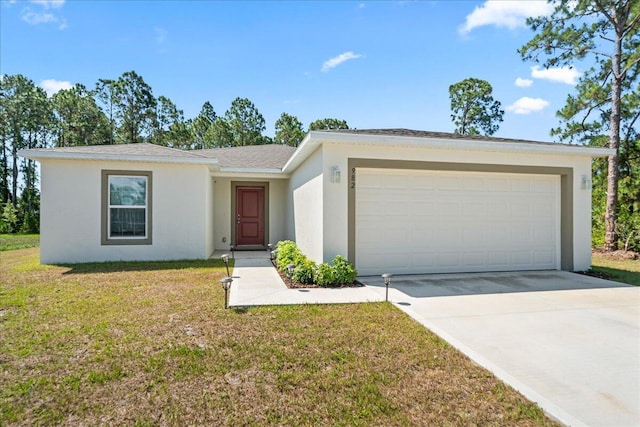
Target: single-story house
point(391, 200)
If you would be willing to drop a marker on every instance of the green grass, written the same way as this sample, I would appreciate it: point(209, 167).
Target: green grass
point(10, 242)
point(150, 343)
point(625, 270)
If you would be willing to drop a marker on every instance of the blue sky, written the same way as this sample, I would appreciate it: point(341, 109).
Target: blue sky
point(376, 64)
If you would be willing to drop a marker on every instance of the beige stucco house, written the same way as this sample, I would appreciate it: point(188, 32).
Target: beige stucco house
point(393, 200)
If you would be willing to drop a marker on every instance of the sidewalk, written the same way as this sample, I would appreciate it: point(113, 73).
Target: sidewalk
point(256, 282)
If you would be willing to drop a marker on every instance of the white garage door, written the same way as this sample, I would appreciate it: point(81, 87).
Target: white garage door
point(411, 221)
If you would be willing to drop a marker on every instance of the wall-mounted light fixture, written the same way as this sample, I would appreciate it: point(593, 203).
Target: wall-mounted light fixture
point(335, 174)
point(585, 182)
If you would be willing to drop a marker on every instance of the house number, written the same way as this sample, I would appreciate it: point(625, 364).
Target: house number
point(353, 178)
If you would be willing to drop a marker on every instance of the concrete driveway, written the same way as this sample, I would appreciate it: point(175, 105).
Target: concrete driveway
point(568, 342)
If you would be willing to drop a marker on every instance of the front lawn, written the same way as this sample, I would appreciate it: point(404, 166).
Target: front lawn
point(620, 270)
point(10, 242)
point(151, 344)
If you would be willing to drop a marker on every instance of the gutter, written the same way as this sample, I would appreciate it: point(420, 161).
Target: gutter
point(40, 155)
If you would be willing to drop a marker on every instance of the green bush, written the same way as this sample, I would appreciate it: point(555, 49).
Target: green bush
point(343, 271)
point(324, 275)
point(9, 219)
point(304, 272)
point(288, 253)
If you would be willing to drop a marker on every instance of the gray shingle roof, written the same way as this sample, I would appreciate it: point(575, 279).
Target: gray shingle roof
point(141, 149)
point(270, 156)
point(429, 134)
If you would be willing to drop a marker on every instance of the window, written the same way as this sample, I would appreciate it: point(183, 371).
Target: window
point(126, 210)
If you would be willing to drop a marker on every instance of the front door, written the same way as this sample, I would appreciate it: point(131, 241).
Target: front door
point(249, 216)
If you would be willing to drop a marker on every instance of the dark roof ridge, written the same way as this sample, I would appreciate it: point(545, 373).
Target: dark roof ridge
point(403, 132)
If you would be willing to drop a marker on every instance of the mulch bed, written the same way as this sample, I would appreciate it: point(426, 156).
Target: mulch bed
point(292, 284)
point(617, 255)
point(598, 274)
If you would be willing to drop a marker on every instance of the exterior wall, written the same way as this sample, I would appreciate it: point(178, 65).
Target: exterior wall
point(209, 233)
point(305, 207)
point(581, 215)
point(71, 212)
point(335, 196)
point(222, 209)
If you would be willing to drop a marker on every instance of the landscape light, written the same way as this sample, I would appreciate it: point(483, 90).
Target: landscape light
point(387, 281)
point(226, 285)
point(225, 259)
point(290, 268)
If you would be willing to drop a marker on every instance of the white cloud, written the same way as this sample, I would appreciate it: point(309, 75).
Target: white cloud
point(52, 86)
point(526, 105)
point(35, 18)
point(520, 82)
point(568, 75)
point(53, 4)
point(337, 60)
point(505, 13)
point(44, 14)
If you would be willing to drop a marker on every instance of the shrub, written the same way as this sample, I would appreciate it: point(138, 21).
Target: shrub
point(340, 272)
point(288, 253)
point(304, 272)
point(9, 219)
point(343, 271)
point(324, 275)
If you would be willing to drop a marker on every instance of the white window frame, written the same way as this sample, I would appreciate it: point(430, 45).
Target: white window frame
point(107, 207)
point(146, 210)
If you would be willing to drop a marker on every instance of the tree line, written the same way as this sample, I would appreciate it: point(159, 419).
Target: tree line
point(115, 111)
point(604, 111)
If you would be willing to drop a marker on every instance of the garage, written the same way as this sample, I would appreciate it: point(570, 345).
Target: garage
point(441, 221)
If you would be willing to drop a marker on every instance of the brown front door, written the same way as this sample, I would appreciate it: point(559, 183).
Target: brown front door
point(249, 216)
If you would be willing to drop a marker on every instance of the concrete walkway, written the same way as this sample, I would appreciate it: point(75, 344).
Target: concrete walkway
point(256, 282)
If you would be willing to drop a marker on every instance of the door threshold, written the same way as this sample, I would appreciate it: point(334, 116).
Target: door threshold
point(250, 248)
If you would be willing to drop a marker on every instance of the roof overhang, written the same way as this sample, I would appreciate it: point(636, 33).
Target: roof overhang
point(316, 138)
point(249, 173)
point(46, 154)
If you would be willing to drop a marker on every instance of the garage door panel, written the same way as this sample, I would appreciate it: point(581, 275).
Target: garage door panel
point(443, 221)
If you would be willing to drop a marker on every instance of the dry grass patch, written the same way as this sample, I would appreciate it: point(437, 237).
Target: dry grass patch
point(150, 343)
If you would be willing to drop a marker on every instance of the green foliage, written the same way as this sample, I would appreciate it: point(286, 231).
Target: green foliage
point(288, 130)
point(341, 271)
point(135, 108)
point(328, 124)
point(344, 272)
point(199, 129)
point(170, 129)
point(78, 119)
point(606, 107)
point(324, 275)
point(29, 211)
point(11, 242)
point(9, 219)
point(304, 271)
point(288, 253)
point(473, 109)
point(245, 122)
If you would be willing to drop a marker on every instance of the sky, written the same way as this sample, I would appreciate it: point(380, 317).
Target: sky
point(375, 64)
